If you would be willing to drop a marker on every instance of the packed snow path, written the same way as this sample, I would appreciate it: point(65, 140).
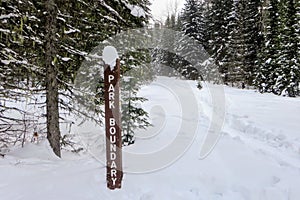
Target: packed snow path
point(257, 157)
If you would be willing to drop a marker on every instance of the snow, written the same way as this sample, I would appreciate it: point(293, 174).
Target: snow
point(111, 10)
point(257, 157)
point(71, 31)
point(110, 56)
point(74, 51)
point(5, 30)
point(8, 16)
point(65, 59)
point(268, 61)
point(5, 62)
point(136, 11)
point(127, 79)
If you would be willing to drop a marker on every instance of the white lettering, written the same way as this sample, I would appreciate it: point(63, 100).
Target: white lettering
point(114, 181)
point(110, 78)
point(111, 96)
point(113, 165)
point(111, 105)
point(113, 147)
point(113, 139)
point(112, 130)
point(112, 122)
point(111, 88)
point(113, 172)
point(113, 156)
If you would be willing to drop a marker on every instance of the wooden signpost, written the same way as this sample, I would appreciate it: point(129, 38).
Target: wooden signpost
point(114, 169)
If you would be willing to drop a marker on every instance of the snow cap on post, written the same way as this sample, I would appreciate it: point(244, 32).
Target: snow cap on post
point(110, 56)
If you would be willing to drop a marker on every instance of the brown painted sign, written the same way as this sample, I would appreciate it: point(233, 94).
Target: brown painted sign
point(114, 172)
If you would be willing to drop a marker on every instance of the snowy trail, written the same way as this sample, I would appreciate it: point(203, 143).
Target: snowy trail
point(267, 123)
point(259, 148)
point(257, 157)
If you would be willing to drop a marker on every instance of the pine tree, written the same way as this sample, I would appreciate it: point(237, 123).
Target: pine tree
point(193, 20)
point(190, 40)
point(279, 73)
point(133, 116)
point(52, 96)
point(18, 61)
point(243, 43)
point(287, 74)
point(173, 22)
point(252, 33)
point(266, 76)
point(220, 11)
point(208, 23)
point(235, 55)
point(19, 41)
point(168, 22)
point(163, 56)
point(37, 42)
point(297, 28)
point(135, 72)
point(179, 25)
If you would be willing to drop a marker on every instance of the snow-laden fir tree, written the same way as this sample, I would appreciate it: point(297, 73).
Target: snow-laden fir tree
point(252, 34)
point(164, 58)
point(42, 37)
point(133, 116)
point(287, 74)
point(279, 70)
point(235, 56)
point(244, 42)
point(193, 24)
point(135, 72)
point(218, 21)
point(179, 24)
point(19, 51)
point(189, 46)
point(266, 75)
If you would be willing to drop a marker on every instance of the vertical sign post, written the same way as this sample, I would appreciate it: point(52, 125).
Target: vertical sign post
point(114, 172)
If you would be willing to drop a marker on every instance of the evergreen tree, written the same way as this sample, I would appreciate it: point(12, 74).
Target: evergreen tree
point(168, 22)
point(266, 76)
point(37, 42)
point(193, 20)
point(218, 22)
point(19, 41)
point(297, 28)
point(244, 42)
point(163, 56)
point(208, 24)
point(190, 40)
point(179, 25)
point(235, 55)
point(173, 22)
point(20, 47)
point(133, 116)
point(252, 34)
point(279, 72)
point(287, 73)
point(52, 96)
point(135, 72)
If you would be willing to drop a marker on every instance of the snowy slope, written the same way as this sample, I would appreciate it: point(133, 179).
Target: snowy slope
point(257, 157)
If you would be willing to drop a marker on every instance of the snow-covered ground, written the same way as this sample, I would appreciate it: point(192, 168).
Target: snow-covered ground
point(257, 156)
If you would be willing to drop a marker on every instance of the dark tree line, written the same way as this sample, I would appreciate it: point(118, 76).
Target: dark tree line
point(254, 43)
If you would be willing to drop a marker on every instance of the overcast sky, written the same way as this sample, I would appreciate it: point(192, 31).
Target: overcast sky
point(160, 8)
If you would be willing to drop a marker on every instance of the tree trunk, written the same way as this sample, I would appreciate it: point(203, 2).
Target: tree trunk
point(53, 132)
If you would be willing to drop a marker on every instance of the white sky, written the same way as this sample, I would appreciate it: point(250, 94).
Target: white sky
point(160, 8)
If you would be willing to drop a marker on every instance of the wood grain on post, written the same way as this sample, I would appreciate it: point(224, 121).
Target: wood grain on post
point(114, 169)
